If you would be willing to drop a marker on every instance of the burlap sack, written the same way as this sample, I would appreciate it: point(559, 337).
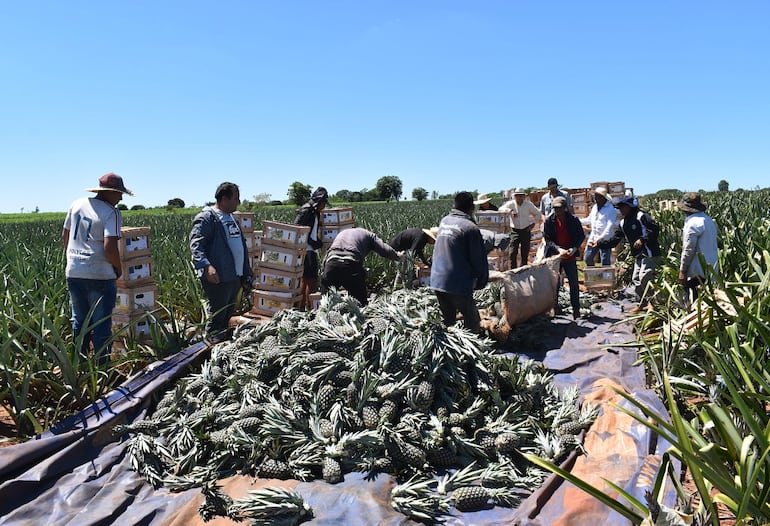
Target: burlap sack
point(530, 290)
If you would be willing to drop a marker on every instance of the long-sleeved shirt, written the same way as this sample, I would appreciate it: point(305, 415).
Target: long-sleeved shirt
point(412, 239)
point(459, 259)
point(603, 222)
point(638, 225)
point(699, 236)
point(356, 243)
point(546, 202)
point(209, 246)
point(522, 215)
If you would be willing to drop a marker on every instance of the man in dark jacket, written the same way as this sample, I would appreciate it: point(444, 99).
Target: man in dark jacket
point(640, 231)
point(220, 258)
point(563, 235)
point(310, 215)
point(459, 264)
point(414, 240)
point(344, 262)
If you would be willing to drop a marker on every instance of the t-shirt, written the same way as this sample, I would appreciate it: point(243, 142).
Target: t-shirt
point(89, 221)
point(233, 234)
point(563, 239)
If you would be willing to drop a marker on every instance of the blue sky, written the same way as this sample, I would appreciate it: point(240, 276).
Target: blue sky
point(178, 96)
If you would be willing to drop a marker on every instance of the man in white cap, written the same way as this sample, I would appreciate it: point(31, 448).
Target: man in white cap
point(90, 237)
point(524, 217)
point(603, 221)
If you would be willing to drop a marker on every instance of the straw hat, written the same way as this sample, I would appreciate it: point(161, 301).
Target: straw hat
point(432, 232)
point(602, 191)
point(111, 183)
point(481, 199)
point(519, 191)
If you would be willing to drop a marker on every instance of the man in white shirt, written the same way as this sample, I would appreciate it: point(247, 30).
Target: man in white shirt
point(524, 217)
point(90, 237)
point(603, 221)
point(699, 238)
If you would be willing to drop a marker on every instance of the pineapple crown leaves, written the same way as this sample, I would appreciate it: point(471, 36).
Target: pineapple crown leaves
point(271, 505)
point(470, 474)
point(149, 457)
point(415, 499)
point(216, 502)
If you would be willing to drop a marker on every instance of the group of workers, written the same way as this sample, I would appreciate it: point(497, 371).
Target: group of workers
point(458, 265)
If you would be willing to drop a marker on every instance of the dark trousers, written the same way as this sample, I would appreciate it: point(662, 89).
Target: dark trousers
point(347, 274)
point(451, 304)
point(520, 242)
point(221, 306)
point(570, 270)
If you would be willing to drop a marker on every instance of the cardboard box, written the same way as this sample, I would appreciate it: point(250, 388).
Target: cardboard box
point(315, 300)
point(599, 278)
point(337, 216)
point(284, 234)
point(134, 242)
point(135, 272)
point(245, 221)
point(618, 188)
point(329, 232)
point(268, 302)
point(582, 209)
point(278, 280)
point(142, 298)
point(597, 184)
point(138, 326)
point(281, 258)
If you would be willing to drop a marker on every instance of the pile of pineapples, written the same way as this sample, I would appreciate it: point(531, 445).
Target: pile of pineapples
point(379, 389)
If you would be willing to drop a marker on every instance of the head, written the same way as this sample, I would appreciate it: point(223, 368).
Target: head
point(519, 195)
point(690, 203)
point(627, 205)
point(431, 234)
point(228, 197)
point(482, 201)
point(111, 188)
point(320, 198)
point(553, 186)
point(600, 196)
point(559, 206)
point(464, 202)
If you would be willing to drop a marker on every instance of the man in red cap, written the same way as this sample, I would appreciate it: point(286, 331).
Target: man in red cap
point(90, 236)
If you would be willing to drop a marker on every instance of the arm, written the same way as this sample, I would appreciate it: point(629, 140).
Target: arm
point(200, 241)
point(534, 214)
point(65, 238)
point(383, 249)
point(112, 254)
point(690, 235)
point(478, 258)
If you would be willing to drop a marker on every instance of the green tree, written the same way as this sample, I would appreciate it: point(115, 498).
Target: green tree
point(299, 193)
point(175, 203)
point(723, 186)
point(389, 187)
point(419, 193)
point(343, 195)
point(137, 207)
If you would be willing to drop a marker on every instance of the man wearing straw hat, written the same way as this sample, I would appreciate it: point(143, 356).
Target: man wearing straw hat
point(524, 217)
point(90, 236)
point(412, 241)
point(699, 239)
point(603, 221)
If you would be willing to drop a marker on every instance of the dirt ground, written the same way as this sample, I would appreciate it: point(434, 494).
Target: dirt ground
point(8, 434)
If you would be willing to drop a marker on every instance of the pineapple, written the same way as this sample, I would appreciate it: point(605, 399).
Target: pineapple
point(274, 469)
point(370, 415)
point(471, 498)
point(331, 470)
point(507, 442)
point(325, 398)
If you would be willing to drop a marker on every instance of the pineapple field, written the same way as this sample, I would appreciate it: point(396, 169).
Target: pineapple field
point(436, 423)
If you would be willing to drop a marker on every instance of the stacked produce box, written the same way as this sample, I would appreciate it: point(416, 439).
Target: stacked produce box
point(281, 262)
point(499, 223)
point(137, 291)
point(253, 237)
point(582, 200)
point(334, 221)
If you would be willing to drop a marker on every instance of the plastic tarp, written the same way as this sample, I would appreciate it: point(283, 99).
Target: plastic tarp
point(76, 474)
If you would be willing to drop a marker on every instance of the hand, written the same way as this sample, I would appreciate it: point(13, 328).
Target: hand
point(211, 275)
point(401, 256)
point(592, 244)
point(682, 277)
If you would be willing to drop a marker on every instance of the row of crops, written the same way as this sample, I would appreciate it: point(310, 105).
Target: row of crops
point(714, 379)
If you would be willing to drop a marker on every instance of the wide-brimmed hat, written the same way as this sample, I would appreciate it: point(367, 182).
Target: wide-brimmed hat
point(559, 202)
point(519, 191)
point(691, 202)
point(111, 183)
point(628, 200)
point(602, 191)
point(481, 199)
point(432, 232)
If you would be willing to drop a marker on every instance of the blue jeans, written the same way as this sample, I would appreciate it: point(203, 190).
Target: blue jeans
point(590, 255)
point(99, 295)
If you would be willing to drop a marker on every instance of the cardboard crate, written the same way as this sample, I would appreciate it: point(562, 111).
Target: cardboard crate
point(582, 209)
point(337, 216)
point(140, 299)
point(667, 204)
point(498, 260)
point(597, 184)
point(138, 326)
point(281, 258)
point(582, 196)
point(495, 221)
point(329, 232)
point(136, 272)
point(315, 300)
point(284, 234)
point(599, 278)
point(245, 221)
point(423, 275)
point(268, 302)
point(279, 280)
point(536, 196)
point(134, 242)
point(618, 188)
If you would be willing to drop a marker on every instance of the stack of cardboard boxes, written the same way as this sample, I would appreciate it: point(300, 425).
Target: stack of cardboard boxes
point(499, 223)
point(334, 221)
point(281, 263)
point(137, 291)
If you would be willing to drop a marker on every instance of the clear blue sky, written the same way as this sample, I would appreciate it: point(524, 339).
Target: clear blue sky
point(178, 96)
